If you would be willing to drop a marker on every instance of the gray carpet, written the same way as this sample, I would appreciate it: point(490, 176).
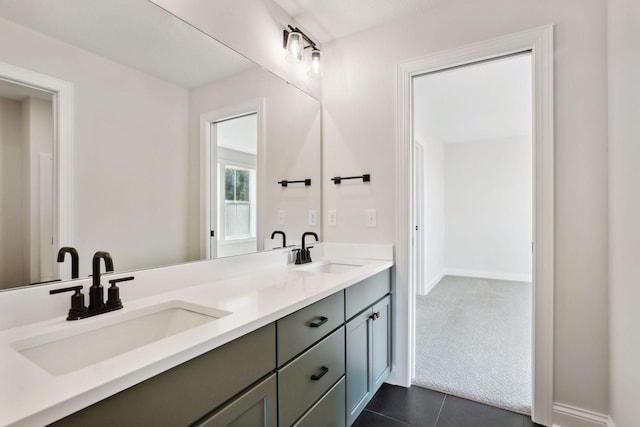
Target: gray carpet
point(473, 340)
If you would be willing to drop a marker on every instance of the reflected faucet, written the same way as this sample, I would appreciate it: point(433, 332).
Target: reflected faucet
point(74, 259)
point(96, 292)
point(284, 237)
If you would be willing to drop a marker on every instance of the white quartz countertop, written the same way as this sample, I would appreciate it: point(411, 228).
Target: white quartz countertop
point(29, 395)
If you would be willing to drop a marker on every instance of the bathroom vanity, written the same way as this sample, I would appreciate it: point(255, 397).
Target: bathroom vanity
point(278, 344)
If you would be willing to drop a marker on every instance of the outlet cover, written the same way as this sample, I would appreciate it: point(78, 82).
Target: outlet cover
point(281, 218)
point(372, 221)
point(313, 217)
point(332, 219)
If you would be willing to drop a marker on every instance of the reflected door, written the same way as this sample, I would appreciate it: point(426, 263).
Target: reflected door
point(234, 186)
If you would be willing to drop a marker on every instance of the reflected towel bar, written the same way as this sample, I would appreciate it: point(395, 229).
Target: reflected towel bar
point(285, 183)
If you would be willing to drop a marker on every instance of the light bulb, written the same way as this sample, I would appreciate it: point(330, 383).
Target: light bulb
point(294, 47)
point(315, 62)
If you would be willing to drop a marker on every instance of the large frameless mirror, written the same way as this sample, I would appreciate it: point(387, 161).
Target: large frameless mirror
point(124, 129)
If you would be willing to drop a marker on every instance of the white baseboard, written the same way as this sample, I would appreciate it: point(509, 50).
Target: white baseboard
point(570, 416)
point(488, 275)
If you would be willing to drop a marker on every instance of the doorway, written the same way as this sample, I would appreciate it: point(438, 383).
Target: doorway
point(539, 41)
point(473, 180)
point(232, 165)
point(233, 200)
point(27, 230)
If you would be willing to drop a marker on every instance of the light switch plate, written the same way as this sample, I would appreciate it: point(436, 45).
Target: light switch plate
point(281, 218)
point(332, 219)
point(372, 221)
point(313, 217)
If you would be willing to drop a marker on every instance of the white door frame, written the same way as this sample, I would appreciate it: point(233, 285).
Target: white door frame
point(62, 102)
point(540, 42)
point(209, 157)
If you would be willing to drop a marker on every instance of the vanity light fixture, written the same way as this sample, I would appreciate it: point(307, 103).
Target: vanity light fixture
point(315, 63)
point(295, 41)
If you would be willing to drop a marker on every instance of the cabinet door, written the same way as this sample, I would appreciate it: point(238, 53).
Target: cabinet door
point(256, 407)
point(381, 342)
point(328, 411)
point(359, 387)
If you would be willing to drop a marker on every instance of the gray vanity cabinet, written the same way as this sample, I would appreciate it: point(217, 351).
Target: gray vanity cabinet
point(257, 407)
point(185, 394)
point(311, 349)
point(368, 341)
point(303, 370)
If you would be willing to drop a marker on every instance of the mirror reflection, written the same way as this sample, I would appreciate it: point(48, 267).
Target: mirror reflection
point(177, 142)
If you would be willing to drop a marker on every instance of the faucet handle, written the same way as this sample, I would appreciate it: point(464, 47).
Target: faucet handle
point(77, 301)
point(113, 298)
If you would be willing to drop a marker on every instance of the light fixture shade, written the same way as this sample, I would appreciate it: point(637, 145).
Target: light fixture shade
point(295, 48)
point(315, 62)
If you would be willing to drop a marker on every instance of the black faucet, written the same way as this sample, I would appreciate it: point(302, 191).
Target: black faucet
point(96, 292)
point(303, 255)
point(97, 304)
point(74, 259)
point(284, 237)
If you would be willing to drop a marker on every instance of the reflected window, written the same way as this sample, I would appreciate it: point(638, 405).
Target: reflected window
point(238, 206)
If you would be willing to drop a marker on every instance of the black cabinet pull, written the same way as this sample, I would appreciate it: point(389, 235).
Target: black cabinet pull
point(375, 315)
point(322, 321)
point(323, 370)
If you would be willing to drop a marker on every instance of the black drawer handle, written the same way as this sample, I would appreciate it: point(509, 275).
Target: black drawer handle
point(375, 315)
point(324, 370)
point(322, 321)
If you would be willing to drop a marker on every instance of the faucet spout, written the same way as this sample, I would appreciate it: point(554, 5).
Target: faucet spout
point(308, 233)
point(304, 255)
point(74, 259)
point(284, 237)
point(96, 292)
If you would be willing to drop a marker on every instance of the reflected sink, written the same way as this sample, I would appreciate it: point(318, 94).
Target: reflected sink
point(330, 267)
point(83, 345)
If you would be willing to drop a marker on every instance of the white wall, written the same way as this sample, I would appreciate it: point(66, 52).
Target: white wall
point(38, 120)
point(488, 208)
point(434, 210)
point(292, 132)
point(359, 101)
point(624, 205)
point(13, 244)
point(130, 152)
point(250, 27)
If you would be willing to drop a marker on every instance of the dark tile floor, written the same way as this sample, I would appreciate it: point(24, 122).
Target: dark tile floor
point(394, 406)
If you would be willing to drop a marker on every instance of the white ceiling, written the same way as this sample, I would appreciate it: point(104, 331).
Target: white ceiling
point(136, 33)
point(490, 100)
point(239, 134)
point(326, 20)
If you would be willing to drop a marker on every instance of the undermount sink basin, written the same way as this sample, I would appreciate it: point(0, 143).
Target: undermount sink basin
point(330, 267)
point(83, 345)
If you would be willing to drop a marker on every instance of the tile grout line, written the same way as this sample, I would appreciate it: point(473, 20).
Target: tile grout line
point(440, 411)
point(388, 417)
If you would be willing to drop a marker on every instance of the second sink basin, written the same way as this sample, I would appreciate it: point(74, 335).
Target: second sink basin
point(69, 350)
point(330, 267)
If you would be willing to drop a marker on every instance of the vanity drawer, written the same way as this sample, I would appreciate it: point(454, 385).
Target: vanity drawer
point(303, 381)
point(329, 410)
point(299, 330)
point(363, 294)
point(184, 394)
